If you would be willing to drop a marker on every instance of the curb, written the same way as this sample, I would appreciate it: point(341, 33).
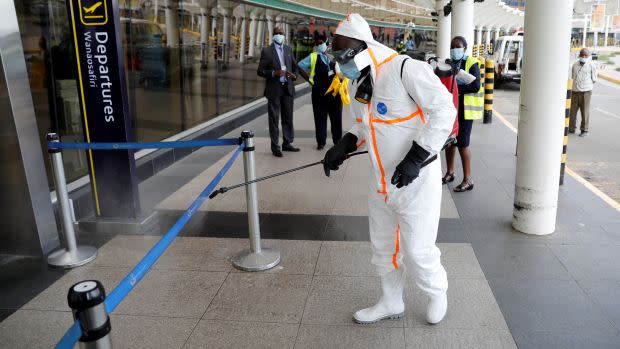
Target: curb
point(609, 78)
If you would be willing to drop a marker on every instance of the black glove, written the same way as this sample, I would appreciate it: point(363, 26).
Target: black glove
point(409, 168)
point(337, 154)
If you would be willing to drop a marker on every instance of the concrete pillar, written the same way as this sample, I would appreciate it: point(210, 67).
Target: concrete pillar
point(463, 21)
point(156, 10)
point(242, 39)
point(607, 19)
point(444, 32)
point(478, 35)
point(487, 37)
point(260, 35)
point(497, 30)
point(541, 115)
point(204, 36)
point(585, 31)
point(214, 17)
point(595, 39)
point(287, 33)
point(204, 27)
point(172, 29)
point(252, 34)
point(270, 28)
point(226, 34)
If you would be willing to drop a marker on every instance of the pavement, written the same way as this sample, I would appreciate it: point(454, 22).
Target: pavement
point(594, 157)
point(507, 289)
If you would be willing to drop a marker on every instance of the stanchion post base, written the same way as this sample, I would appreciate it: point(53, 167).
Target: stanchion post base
point(65, 259)
point(256, 261)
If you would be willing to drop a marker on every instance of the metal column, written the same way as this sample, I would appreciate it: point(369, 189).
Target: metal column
point(255, 258)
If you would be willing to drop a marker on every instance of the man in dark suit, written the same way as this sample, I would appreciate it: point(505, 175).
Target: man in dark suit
point(279, 68)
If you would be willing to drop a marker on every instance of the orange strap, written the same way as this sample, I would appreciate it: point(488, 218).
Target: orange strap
point(358, 120)
point(395, 255)
point(395, 121)
point(376, 151)
point(361, 143)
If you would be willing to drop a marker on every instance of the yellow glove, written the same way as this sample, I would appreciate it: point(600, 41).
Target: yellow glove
point(344, 92)
point(340, 87)
point(334, 87)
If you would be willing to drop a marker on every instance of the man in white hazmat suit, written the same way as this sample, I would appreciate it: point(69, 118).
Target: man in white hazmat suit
point(408, 119)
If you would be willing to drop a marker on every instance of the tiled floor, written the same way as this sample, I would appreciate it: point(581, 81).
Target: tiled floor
point(193, 297)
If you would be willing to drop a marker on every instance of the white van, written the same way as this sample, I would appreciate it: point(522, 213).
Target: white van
point(508, 55)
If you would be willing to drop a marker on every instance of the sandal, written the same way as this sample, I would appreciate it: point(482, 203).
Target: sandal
point(465, 186)
point(448, 178)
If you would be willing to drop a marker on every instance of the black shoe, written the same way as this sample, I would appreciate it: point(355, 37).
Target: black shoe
point(277, 153)
point(571, 131)
point(289, 147)
point(320, 147)
point(583, 133)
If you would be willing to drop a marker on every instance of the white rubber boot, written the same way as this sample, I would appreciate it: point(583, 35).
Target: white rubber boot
point(390, 305)
point(436, 308)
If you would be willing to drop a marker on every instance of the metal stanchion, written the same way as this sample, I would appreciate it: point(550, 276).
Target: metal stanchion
point(71, 255)
point(569, 92)
point(86, 300)
point(489, 72)
point(255, 258)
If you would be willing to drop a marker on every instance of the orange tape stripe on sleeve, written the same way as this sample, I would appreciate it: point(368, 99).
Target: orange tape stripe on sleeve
point(361, 143)
point(395, 255)
point(358, 120)
point(375, 149)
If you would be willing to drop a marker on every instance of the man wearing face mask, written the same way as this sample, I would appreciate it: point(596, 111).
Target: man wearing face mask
point(279, 68)
point(584, 76)
point(403, 114)
point(319, 70)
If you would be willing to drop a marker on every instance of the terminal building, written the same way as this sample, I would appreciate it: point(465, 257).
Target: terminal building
point(530, 264)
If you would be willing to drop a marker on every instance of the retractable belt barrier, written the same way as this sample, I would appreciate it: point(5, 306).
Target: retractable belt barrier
point(87, 299)
point(145, 145)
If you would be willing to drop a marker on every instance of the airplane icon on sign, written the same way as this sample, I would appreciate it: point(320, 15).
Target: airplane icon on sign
point(93, 12)
point(92, 8)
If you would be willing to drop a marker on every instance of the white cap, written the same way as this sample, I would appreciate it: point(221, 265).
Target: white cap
point(356, 27)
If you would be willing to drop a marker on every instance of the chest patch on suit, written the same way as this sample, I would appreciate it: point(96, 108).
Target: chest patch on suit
point(382, 108)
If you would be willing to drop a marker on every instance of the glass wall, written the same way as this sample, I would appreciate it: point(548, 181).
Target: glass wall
point(185, 63)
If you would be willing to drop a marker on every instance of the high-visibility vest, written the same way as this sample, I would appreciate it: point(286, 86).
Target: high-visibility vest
point(473, 103)
point(313, 57)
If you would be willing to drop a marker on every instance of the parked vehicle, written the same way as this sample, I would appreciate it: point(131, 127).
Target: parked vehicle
point(508, 57)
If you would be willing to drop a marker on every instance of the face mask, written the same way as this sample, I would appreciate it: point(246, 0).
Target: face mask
point(322, 48)
point(456, 54)
point(583, 59)
point(350, 70)
point(278, 39)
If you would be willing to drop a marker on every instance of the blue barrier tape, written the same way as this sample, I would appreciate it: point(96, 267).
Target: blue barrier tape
point(144, 145)
point(121, 291)
point(71, 337)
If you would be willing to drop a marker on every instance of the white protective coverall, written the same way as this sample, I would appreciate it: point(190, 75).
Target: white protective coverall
point(403, 221)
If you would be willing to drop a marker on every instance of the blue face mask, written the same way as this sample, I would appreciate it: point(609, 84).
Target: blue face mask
point(350, 70)
point(322, 48)
point(278, 39)
point(456, 54)
point(583, 59)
